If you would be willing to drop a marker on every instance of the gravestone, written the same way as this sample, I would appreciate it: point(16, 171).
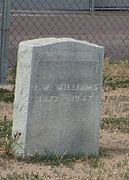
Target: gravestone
point(57, 97)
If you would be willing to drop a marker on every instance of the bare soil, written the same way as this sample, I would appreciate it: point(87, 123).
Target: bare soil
point(112, 164)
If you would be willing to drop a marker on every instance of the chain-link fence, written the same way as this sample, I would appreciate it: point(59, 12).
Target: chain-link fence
point(85, 20)
point(104, 22)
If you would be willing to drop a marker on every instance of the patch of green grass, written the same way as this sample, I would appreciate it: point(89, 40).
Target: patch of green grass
point(5, 137)
point(67, 160)
point(115, 82)
point(23, 176)
point(6, 95)
point(94, 161)
point(55, 160)
point(121, 124)
point(125, 175)
point(6, 144)
point(11, 77)
point(5, 128)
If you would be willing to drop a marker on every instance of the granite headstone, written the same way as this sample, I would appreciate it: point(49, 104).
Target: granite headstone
point(58, 97)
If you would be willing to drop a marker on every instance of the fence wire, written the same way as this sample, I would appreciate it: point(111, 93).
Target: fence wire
point(104, 22)
point(38, 19)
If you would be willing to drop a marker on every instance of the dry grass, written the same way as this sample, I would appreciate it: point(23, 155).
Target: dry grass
point(115, 103)
point(6, 109)
point(112, 164)
point(113, 161)
point(119, 69)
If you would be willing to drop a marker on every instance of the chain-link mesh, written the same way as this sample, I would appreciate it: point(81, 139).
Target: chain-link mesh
point(31, 19)
point(105, 22)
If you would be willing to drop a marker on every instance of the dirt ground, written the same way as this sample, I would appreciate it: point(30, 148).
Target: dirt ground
point(113, 161)
point(114, 165)
point(115, 103)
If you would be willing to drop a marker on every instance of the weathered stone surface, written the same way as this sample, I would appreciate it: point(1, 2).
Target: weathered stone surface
point(57, 98)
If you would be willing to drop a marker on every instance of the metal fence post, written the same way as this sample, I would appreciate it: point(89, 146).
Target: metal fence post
point(92, 5)
point(4, 41)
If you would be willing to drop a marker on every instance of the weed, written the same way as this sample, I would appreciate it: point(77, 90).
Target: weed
point(6, 95)
point(116, 75)
point(115, 83)
point(121, 124)
point(16, 176)
point(103, 152)
point(126, 175)
point(94, 161)
point(67, 160)
point(53, 159)
point(119, 69)
point(11, 76)
point(5, 134)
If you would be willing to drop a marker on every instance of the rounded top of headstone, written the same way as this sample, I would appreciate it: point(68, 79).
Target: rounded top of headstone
point(50, 41)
